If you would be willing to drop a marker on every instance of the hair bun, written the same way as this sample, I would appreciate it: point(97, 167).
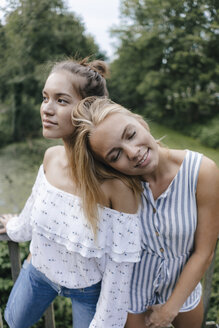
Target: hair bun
point(100, 66)
point(96, 65)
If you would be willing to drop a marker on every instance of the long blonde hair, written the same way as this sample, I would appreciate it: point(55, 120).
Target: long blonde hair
point(87, 171)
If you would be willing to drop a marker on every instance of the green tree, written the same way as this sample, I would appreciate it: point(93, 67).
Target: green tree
point(167, 64)
point(34, 32)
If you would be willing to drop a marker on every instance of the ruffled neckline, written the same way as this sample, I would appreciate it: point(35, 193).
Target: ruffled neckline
point(73, 196)
point(57, 216)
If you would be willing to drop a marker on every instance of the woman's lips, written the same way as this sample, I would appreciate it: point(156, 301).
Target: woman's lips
point(47, 123)
point(144, 160)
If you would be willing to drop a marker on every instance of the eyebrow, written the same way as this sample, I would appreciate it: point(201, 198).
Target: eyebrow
point(58, 93)
point(63, 94)
point(124, 132)
point(122, 137)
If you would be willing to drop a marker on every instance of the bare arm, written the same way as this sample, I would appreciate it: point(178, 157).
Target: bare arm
point(205, 240)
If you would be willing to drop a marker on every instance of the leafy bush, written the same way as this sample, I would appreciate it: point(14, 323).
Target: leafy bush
point(210, 133)
point(5, 124)
point(213, 312)
point(62, 305)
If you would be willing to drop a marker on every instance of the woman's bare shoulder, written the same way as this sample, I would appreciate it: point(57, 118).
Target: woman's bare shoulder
point(208, 181)
point(120, 196)
point(209, 172)
point(52, 154)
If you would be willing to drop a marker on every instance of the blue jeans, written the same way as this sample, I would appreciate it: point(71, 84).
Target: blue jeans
point(33, 292)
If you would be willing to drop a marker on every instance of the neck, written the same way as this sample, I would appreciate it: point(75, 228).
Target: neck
point(162, 169)
point(67, 143)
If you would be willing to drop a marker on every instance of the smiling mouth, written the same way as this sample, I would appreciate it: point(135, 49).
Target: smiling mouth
point(144, 158)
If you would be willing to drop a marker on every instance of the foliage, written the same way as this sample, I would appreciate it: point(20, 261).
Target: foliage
point(167, 61)
point(5, 124)
point(5, 277)
point(5, 271)
point(210, 133)
point(213, 313)
point(62, 306)
point(63, 312)
point(175, 139)
point(34, 32)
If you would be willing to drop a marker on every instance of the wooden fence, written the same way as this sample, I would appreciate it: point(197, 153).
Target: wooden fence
point(14, 254)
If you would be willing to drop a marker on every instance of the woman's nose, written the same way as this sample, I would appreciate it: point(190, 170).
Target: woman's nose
point(132, 152)
point(48, 108)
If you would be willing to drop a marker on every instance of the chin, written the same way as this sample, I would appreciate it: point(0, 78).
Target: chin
point(48, 135)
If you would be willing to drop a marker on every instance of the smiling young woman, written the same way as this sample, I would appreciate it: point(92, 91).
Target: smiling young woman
point(179, 214)
point(130, 149)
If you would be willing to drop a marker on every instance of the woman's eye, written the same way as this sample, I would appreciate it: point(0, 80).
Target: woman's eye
point(45, 98)
point(131, 135)
point(115, 158)
point(62, 101)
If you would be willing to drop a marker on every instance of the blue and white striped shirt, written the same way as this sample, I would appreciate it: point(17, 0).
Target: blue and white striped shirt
point(168, 225)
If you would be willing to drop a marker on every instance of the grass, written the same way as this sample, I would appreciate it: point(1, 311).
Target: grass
point(176, 140)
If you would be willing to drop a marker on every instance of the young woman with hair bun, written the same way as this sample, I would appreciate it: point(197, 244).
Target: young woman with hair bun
point(82, 254)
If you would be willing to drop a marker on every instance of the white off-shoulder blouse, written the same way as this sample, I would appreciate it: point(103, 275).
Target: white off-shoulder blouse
point(64, 249)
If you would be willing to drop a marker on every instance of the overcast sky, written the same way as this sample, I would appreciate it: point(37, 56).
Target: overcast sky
point(98, 16)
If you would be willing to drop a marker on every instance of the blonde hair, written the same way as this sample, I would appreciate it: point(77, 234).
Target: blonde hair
point(87, 171)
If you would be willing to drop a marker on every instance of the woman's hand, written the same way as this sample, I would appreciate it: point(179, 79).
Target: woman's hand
point(4, 220)
point(158, 316)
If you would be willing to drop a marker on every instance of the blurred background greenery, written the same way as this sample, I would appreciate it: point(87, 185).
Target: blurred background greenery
point(166, 62)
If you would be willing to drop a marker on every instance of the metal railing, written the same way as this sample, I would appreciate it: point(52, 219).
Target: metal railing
point(14, 253)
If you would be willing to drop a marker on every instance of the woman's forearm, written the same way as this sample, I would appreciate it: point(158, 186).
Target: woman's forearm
point(188, 280)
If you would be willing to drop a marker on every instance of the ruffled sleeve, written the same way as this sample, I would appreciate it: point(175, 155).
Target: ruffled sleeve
point(119, 235)
point(60, 219)
point(112, 306)
point(19, 228)
point(119, 238)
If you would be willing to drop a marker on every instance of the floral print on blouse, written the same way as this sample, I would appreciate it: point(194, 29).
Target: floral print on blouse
point(64, 249)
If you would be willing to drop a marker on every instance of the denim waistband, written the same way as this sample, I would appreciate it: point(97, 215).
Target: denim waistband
point(61, 290)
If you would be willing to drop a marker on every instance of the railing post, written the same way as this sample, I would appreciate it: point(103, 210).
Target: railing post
point(1, 322)
point(49, 317)
point(14, 253)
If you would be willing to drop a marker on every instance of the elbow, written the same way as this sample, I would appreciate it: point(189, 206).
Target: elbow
point(204, 260)
point(209, 259)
